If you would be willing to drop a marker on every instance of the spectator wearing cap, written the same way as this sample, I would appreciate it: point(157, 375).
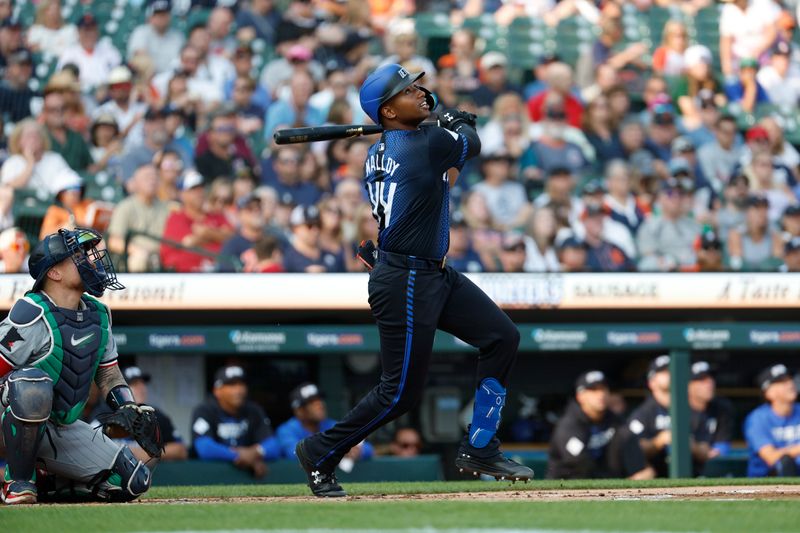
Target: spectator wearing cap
point(296, 108)
point(709, 252)
point(154, 139)
point(223, 158)
point(604, 50)
point(652, 424)
point(49, 34)
point(718, 411)
point(243, 68)
point(403, 44)
point(718, 158)
point(666, 240)
point(494, 81)
point(310, 417)
point(237, 250)
point(295, 59)
point(572, 254)
point(512, 253)
point(602, 255)
point(32, 164)
point(745, 90)
point(791, 256)
point(123, 105)
point(505, 197)
point(731, 213)
point(540, 235)
point(461, 256)
point(559, 196)
point(64, 141)
point(683, 167)
point(229, 427)
point(94, 58)
point(304, 253)
point(193, 227)
point(757, 246)
point(174, 447)
point(155, 38)
point(772, 430)
point(558, 144)
point(559, 80)
point(15, 95)
point(141, 212)
point(780, 78)
point(662, 130)
point(589, 441)
point(620, 203)
point(14, 251)
point(747, 29)
point(285, 165)
point(784, 154)
point(263, 17)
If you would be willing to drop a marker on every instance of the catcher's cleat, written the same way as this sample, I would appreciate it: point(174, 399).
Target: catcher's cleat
point(490, 461)
point(18, 492)
point(322, 484)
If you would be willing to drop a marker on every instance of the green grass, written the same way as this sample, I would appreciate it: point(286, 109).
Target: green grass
point(761, 516)
point(438, 487)
point(648, 515)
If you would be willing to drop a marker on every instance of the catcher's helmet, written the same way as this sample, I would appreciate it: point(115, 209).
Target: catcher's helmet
point(381, 85)
point(94, 266)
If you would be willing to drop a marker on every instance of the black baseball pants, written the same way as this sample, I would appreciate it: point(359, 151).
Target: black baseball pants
point(409, 306)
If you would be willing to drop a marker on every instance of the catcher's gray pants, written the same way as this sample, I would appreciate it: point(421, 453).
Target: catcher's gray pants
point(81, 459)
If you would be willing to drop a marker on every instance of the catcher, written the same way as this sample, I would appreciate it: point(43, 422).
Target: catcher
point(54, 342)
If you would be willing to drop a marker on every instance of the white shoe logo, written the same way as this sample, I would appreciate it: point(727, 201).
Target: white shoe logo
point(82, 340)
point(317, 477)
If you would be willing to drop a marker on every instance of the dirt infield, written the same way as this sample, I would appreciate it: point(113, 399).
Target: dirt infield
point(718, 493)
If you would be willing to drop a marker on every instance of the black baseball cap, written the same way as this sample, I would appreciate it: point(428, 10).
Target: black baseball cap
point(304, 214)
point(594, 186)
point(757, 200)
point(154, 113)
point(303, 394)
point(772, 374)
point(592, 379)
point(229, 374)
point(659, 364)
point(11, 22)
point(571, 242)
point(87, 21)
point(792, 245)
point(20, 56)
point(159, 6)
point(709, 239)
point(559, 171)
point(792, 210)
point(132, 373)
point(700, 370)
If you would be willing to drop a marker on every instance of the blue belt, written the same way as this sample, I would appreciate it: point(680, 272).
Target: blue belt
point(410, 262)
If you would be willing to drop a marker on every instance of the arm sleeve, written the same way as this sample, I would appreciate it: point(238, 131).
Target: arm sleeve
point(447, 149)
point(575, 461)
point(287, 439)
point(210, 450)
point(756, 432)
point(272, 449)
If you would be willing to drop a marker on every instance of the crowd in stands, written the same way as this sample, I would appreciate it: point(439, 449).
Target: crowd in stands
point(154, 124)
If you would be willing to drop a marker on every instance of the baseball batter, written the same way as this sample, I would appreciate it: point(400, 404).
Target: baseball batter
point(54, 342)
point(412, 292)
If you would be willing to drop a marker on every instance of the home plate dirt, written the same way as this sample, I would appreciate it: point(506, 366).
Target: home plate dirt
point(740, 492)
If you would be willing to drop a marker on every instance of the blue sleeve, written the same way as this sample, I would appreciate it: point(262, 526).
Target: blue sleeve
point(367, 451)
point(287, 440)
point(272, 448)
point(756, 431)
point(724, 448)
point(210, 450)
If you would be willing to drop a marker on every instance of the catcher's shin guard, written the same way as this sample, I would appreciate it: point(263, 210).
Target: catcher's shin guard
point(128, 478)
point(27, 395)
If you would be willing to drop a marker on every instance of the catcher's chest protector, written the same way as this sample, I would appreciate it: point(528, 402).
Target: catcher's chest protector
point(79, 341)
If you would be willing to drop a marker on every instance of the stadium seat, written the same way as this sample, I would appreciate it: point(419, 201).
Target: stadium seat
point(28, 211)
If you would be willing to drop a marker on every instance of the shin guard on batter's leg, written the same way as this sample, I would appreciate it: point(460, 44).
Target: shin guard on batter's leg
point(489, 401)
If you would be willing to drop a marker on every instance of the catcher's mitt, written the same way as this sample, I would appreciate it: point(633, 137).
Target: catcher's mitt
point(136, 421)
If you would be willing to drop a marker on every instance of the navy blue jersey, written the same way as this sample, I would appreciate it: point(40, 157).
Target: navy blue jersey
point(406, 179)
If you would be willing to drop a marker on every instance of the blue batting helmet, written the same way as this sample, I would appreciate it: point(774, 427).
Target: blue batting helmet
point(381, 85)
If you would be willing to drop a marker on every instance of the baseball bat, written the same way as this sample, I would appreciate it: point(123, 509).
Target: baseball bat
point(324, 133)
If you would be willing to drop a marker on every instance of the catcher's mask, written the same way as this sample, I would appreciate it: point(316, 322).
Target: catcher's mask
point(94, 266)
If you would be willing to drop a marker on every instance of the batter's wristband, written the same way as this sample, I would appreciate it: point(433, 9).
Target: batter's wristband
point(119, 396)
